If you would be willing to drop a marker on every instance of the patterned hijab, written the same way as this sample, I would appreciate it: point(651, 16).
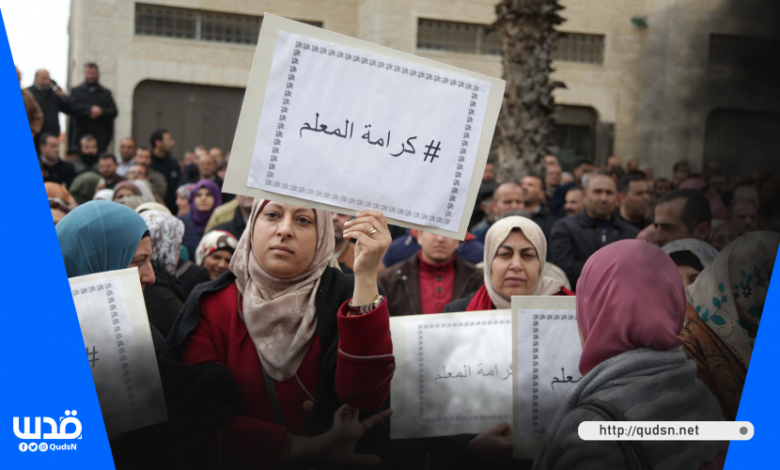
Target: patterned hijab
point(499, 232)
point(629, 296)
point(729, 294)
point(703, 251)
point(167, 232)
point(280, 313)
point(214, 241)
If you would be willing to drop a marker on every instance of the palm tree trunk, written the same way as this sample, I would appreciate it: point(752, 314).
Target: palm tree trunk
point(525, 124)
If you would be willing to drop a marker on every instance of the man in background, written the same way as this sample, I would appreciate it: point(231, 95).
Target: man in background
point(425, 283)
point(682, 213)
point(162, 147)
point(508, 196)
point(534, 195)
point(88, 151)
point(574, 239)
point(52, 101)
point(127, 151)
point(58, 171)
point(107, 166)
point(634, 200)
point(92, 109)
point(575, 201)
point(143, 156)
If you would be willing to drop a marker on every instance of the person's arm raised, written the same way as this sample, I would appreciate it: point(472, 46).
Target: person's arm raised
point(369, 251)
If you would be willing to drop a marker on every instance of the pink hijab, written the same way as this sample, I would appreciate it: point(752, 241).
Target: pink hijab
point(717, 207)
point(621, 308)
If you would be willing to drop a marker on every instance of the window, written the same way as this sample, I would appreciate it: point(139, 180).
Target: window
point(473, 38)
point(199, 25)
point(456, 37)
point(582, 48)
point(743, 52)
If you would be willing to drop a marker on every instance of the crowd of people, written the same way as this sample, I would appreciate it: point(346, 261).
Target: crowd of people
point(271, 321)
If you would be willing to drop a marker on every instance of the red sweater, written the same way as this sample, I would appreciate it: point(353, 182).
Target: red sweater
point(253, 440)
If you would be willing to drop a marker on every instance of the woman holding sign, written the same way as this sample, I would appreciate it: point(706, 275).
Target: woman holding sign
point(515, 250)
point(634, 366)
point(307, 345)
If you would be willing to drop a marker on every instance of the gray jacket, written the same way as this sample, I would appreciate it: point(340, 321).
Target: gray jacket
point(643, 384)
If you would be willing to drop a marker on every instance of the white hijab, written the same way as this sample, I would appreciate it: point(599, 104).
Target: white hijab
point(499, 232)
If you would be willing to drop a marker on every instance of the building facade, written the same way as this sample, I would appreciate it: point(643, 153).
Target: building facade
point(658, 81)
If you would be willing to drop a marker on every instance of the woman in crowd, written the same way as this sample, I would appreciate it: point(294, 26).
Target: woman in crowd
point(54, 190)
point(59, 209)
point(515, 250)
point(183, 199)
point(725, 307)
point(165, 298)
point(721, 234)
point(293, 330)
point(84, 186)
point(215, 252)
point(104, 195)
point(632, 365)
point(691, 257)
point(204, 198)
point(125, 189)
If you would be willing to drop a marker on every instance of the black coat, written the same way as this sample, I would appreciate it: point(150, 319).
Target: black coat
point(235, 226)
point(574, 239)
point(335, 289)
point(170, 169)
point(81, 100)
point(164, 299)
point(52, 106)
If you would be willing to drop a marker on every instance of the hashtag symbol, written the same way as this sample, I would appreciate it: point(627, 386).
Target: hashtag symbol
point(431, 151)
point(93, 355)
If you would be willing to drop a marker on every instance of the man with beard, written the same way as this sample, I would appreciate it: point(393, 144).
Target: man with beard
point(634, 199)
point(92, 109)
point(574, 239)
point(88, 151)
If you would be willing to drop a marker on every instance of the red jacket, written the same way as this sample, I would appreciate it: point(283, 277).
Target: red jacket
point(253, 439)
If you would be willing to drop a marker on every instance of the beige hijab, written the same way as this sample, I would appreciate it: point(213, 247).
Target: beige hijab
point(496, 236)
point(280, 313)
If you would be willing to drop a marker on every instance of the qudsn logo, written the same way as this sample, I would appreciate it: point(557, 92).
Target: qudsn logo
point(58, 431)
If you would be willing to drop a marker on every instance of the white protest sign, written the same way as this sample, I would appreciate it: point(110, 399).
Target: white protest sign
point(115, 328)
point(341, 124)
point(546, 356)
point(453, 373)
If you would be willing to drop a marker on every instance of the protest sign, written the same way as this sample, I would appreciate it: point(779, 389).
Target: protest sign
point(340, 124)
point(114, 324)
point(546, 356)
point(453, 373)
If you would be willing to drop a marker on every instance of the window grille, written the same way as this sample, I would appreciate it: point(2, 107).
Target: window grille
point(581, 48)
point(199, 25)
point(472, 38)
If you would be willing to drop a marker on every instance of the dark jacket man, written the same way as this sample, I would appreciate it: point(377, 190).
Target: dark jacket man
point(402, 284)
point(82, 99)
point(51, 105)
point(574, 239)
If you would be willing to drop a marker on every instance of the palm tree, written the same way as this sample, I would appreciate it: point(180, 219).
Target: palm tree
point(525, 125)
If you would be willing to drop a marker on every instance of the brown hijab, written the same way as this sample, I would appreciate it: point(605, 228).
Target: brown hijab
point(280, 313)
